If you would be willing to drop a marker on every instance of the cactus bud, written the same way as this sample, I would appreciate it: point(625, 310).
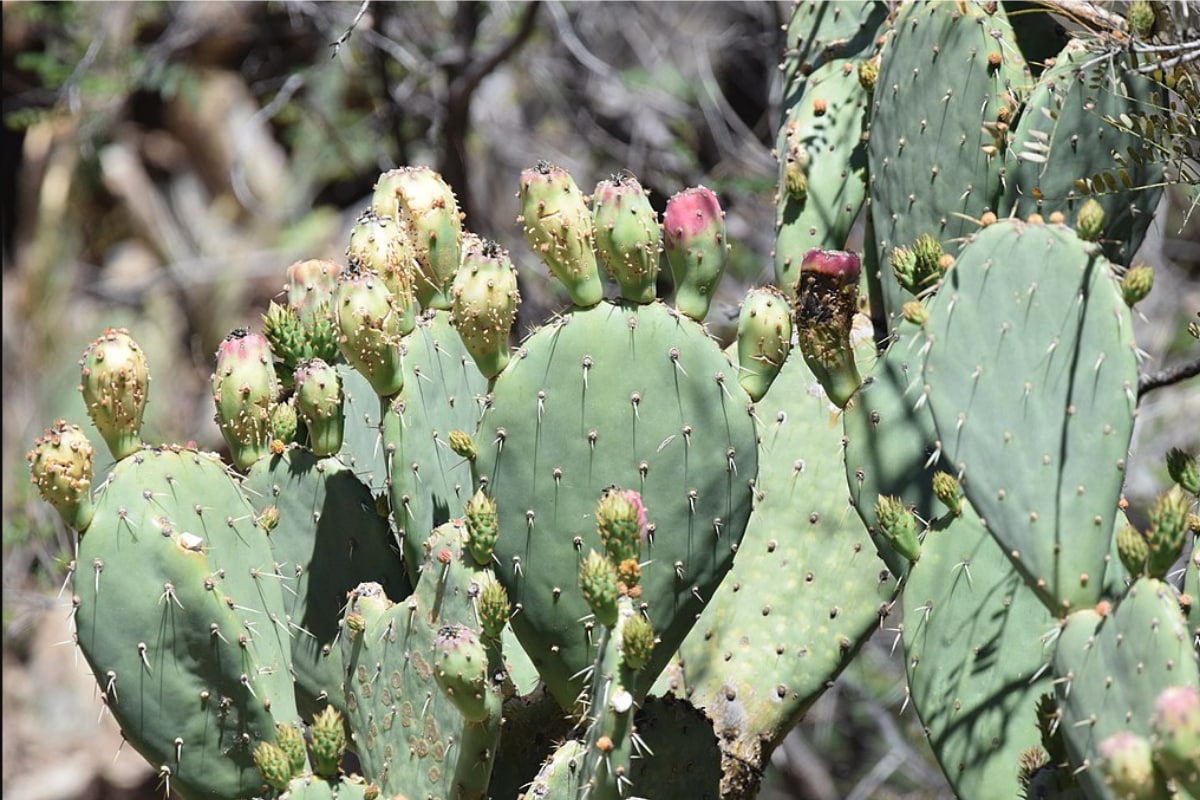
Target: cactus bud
point(320, 402)
point(1176, 730)
point(290, 740)
point(1136, 284)
point(898, 527)
point(424, 204)
point(369, 332)
point(273, 764)
point(621, 523)
point(796, 159)
point(627, 236)
point(1127, 765)
point(463, 445)
point(868, 74)
point(1141, 18)
point(482, 532)
point(928, 265)
point(637, 642)
point(558, 226)
point(1089, 222)
point(904, 267)
point(115, 382)
point(947, 489)
point(379, 244)
point(245, 389)
point(598, 583)
point(1133, 550)
point(461, 671)
point(268, 518)
point(826, 300)
point(494, 608)
point(484, 303)
point(764, 339)
point(328, 742)
point(694, 240)
point(1168, 528)
point(61, 463)
point(915, 312)
point(284, 424)
point(1182, 468)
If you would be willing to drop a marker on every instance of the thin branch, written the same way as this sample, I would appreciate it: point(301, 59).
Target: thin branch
point(1168, 377)
point(341, 40)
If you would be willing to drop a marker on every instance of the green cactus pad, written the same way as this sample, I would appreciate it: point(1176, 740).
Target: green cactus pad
point(633, 396)
point(1110, 667)
point(182, 619)
point(327, 541)
point(825, 30)
point(1031, 376)
point(363, 447)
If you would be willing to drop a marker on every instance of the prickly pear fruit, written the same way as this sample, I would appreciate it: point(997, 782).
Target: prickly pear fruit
point(637, 642)
point(494, 608)
point(558, 226)
point(1133, 550)
point(380, 244)
point(898, 526)
point(1182, 468)
point(947, 489)
point(273, 764)
point(694, 240)
point(461, 671)
point(369, 330)
point(328, 742)
point(61, 464)
point(1089, 222)
point(481, 527)
point(1168, 528)
point(826, 300)
point(320, 403)
point(310, 286)
point(1176, 726)
point(115, 381)
point(628, 236)
point(421, 200)
point(245, 389)
point(598, 583)
point(1137, 283)
point(1128, 767)
point(764, 339)
point(484, 301)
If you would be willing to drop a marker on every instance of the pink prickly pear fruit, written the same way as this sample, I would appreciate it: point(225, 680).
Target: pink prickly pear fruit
point(319, 402)
point(826, 300)
point(61, 466)
point(369, 330)
point(622, 524)
point(115, 382)
point(380, 244)
point(558, 226)
point(694, 240)
point(1128, 767)
point(484, 303)
point(424, 204)
point(1176, 727)
point(310, 286)
point(245, 389)
point(628, 236)
point(764, 339)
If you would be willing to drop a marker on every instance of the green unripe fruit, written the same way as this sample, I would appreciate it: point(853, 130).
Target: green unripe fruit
point(369, 330)
point(1136, 284)
point(637, 642)
point(245, 389)
point(628, 237)
point(115, 383)
point(273, 764)
point(268, 518)
point(764, 339)
point(494, 608)
point(1168, 526)
point(290, 740)
point(310, 286)
point(1128, 766)
point(598, 583)
point(328, 742)
point(482, 532)
point(463, 445)
point(61, 464)
point(947, 489)
point(622, 524)
point(1133, 550)
point(868, 74)
point(424, 204)
point(558, 226)
point(320, 403)
point(1176, 727)
point(461, 671)
point(484, 300)
point(380, 244)
point(1089, 222)
point(1182, 468)
point(795, 163)
point(898, 526)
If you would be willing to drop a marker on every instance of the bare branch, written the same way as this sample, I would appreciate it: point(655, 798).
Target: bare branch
point(1168, 377)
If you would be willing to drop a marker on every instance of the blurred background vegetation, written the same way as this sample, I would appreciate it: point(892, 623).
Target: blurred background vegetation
point(165, 162)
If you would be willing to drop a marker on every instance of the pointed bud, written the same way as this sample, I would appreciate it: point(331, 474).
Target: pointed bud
point(947, 489)
point(461, 444)
point(1133, 550)
point(482, 530)
point(284, 424)
point(320, 403)
point(328, 742)
point(1089, 222)
point(764, 339)
point(290, 740)
point(61, 463)
point(637, 642)
point(915, 312)
point(598, 583)
point(1136, 284)
point(245, 389)
point(494, 608)
point(868, 74)
point(1182, 468)
point(694, 240)
point(273, 764)
point(898, 526)
point(622, 524)
point(1168, 529)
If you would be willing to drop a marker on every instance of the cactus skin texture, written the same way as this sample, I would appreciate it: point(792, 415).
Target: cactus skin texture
point(245, 388)
point(558, 226)
point(115, 383)
point(696, 248)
